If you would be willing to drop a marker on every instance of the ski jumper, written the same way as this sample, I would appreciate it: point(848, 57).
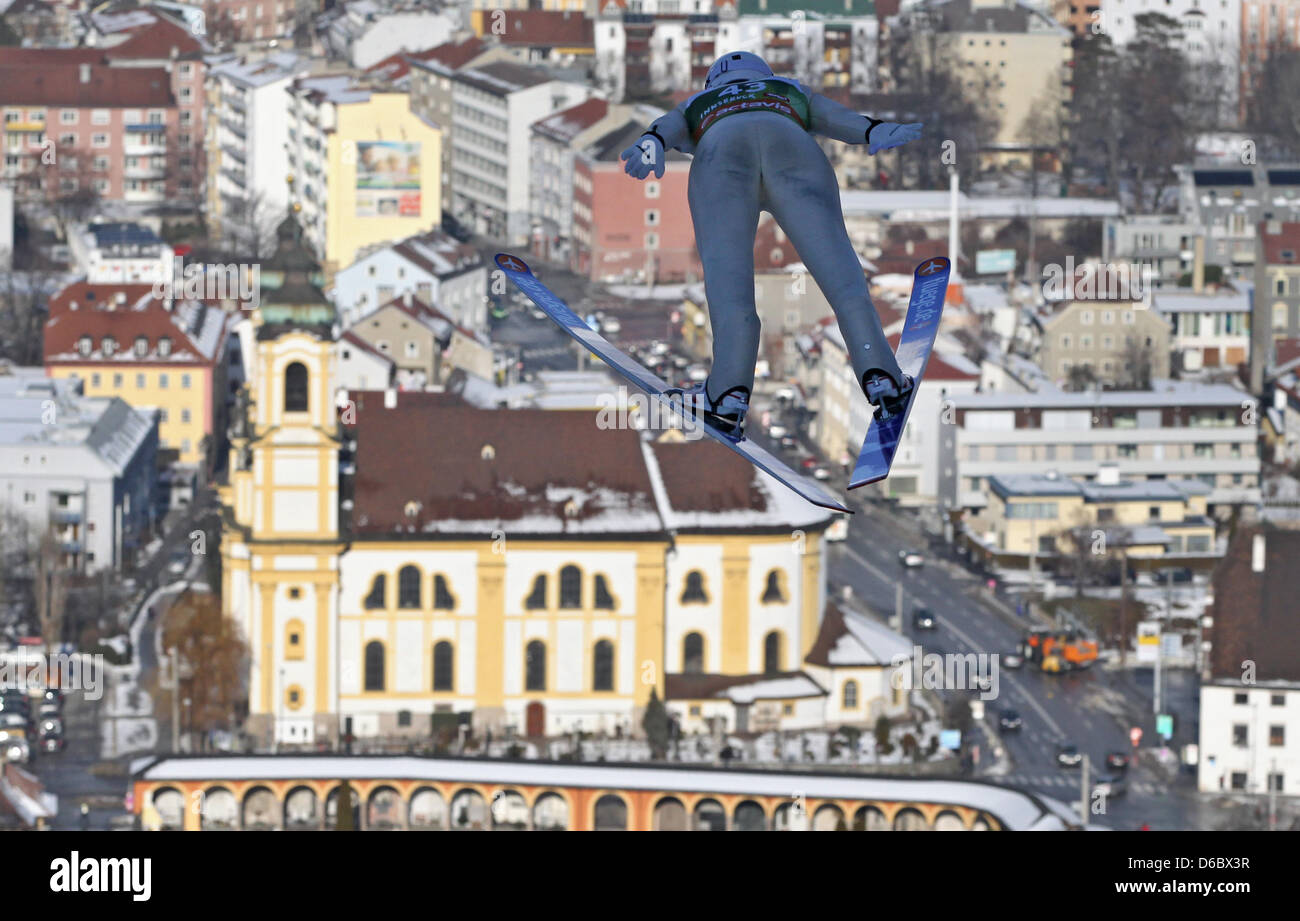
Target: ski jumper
point(754, 151)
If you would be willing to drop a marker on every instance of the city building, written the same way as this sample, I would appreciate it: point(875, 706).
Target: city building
point(1208, 331)
point(1231, 202)
point(424, 343)
point(1176, 430)
point(1162, 243)
point(253, 20)
point(494, 106)
point(365, 169)
point(82, 468)
point(434, 267)
point(1105, 337)
point(557, 38)
point(365, 32)
point(1275, 312)
point(1250, 701)
point(631, 230)
point(115, 252)
point(6, 227)
point(123, 341)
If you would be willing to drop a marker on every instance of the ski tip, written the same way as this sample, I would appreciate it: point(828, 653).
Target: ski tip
point(512, 263)
point(932, 266)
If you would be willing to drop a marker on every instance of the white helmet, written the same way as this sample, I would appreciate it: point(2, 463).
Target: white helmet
point(738, 63)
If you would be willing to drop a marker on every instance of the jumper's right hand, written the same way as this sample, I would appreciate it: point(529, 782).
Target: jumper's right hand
point(646, 155)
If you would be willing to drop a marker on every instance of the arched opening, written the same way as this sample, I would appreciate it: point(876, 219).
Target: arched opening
point(869, 818)
point(261, 810)
point(332, 808)
point(408, 587)
point(428, 810)
point(670, 815)
point(374, 669)
point(570, 587)
point(220, 810)
point(444, 673)
point(983, 823)
point(302, 810)
point(550, 813)
point(442, 597)
point(602, 678)
point(468, 811)
point(604, 600)
point(910, 820)
point(749, 816)
point(772, 653)
point(384, 810)
point(170, 804)
point(693, 592)
point(693, 654)
point(376, 600)
point(295, 388)
point(774, 587)
point(829, 818)
point(850, 698)
point(611, 813)
point(536, 600)
point(535, 666)
point(509, 811)
point(948, 821)
point(710, 816)
point(789, 817)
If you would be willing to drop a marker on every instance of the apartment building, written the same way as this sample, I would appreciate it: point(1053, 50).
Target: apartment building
point(1162, 243)
point(1275, 313)
point(1208, 331)
point(1103, 336)
point(494, 107)
point(434, 267)
point(1177, 430)
point(557, 38)
point(117, 252)
point(1250, 700)
point(253, 20)
point(365, 169)
point(248, 147)
point(631, 230)
point(424, 343)
point(83, 468)
point(1230, 203)
point(365, 32)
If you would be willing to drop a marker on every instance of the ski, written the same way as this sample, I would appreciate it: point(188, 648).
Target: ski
point(519, 273)
point(924, 311)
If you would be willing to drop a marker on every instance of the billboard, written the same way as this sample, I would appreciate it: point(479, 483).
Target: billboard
point(995, 261)
point(388, 179)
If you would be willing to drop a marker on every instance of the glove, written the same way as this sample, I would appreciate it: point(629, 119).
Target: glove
point(887, 135)
point(645, 155)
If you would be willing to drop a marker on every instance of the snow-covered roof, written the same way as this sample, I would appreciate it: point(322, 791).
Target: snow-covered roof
point(921, 205)
point(1014, 809)
point(1163, 393)
point(1182, 301)
point(107, 426)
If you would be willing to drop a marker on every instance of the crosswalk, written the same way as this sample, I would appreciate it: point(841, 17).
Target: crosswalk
point(1071, 782)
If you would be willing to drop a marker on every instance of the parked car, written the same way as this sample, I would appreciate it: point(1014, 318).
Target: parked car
point(610, 325)
point(1012, 660)
point(788, 441)
point(922, 619)
point(1117, 760)
point(697, 373)
point(821, 473)
point(808, 463)
point(982, 682)
point(1110, 785)
point(53, 743)
point(15, 748)
point(179, 561)
point(911, 558)
point(536, 312)
point(1009, 721)
point(1069, 756)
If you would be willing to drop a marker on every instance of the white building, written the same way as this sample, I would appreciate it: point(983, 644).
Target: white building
point(247, 146)
point(433, 267)
point(1208, 330)
point(494, 108)
point(366, 32)
point(6, 227)
point(83, 467)
point(121, 253)
point(1250, 737)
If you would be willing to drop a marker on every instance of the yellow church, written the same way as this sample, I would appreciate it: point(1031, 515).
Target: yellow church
point(397, 559)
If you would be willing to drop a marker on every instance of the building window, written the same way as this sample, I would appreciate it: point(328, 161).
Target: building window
point(1277, 700)
point(375, 600)
point(693, 654)
point(374, 666)
point(772, 653)
point(602, 666)
point(295, 388)
point(694, 592)
point(1239, 699)
point(443, 662)
point(1238, 780)
point(536, 600)
point(408, 587)
point(535, 666)
point(1240, 737)
point(570, 587)
point(442, 598)
point(1276, 736)
point(294, 647)
point(604, 600)
point(185, 382)
point(850, 701)
point(774, 590)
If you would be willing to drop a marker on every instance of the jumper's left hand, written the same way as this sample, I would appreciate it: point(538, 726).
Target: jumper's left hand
point(888, 135)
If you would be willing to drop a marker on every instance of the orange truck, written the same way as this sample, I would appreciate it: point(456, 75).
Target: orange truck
point(1059, 651)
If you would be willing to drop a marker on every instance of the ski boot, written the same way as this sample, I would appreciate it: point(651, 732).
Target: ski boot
point(883, 393)
point(726, 414)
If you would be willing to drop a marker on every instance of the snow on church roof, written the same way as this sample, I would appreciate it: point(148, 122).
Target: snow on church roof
point(851, 639)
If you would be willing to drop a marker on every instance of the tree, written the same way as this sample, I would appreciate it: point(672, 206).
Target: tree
point(1273, 103)
point(656, 724)
point(343, 814)
point(1081, 378)
point(1138, 360)
point(211, 645)
point(881, 733)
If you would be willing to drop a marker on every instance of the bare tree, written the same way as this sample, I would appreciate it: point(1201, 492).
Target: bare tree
point(212, 647)
point(1138, 360)
point(1157, 116)
point(1273, 102)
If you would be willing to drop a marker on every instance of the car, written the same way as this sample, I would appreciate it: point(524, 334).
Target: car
point(982, 682)
point(911, 558)
point(1117, 760)
point(15, 748)
point(50, 711)
point(179, 561)
point(610, 325)
point(13, 720)
point(50, 726)
point(659, 348)
point(777, 430)
point(680, 362)
point(1110, 785)
point(808, 463)
point(922, 619)
point(537, 313)
point(697, 373)
point(789, 442)
point(53, 743)
point(1012, 660)
point(821, 473)
point(1009, 721)
point(1069, 756)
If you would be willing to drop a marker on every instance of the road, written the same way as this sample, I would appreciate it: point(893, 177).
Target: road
point(1092, 709)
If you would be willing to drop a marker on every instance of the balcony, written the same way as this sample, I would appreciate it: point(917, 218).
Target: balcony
point(66, 516)
point(71, 546)
point(144, 146)
point(25, 127)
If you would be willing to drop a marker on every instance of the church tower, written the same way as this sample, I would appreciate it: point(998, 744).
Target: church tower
point(280, 541)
